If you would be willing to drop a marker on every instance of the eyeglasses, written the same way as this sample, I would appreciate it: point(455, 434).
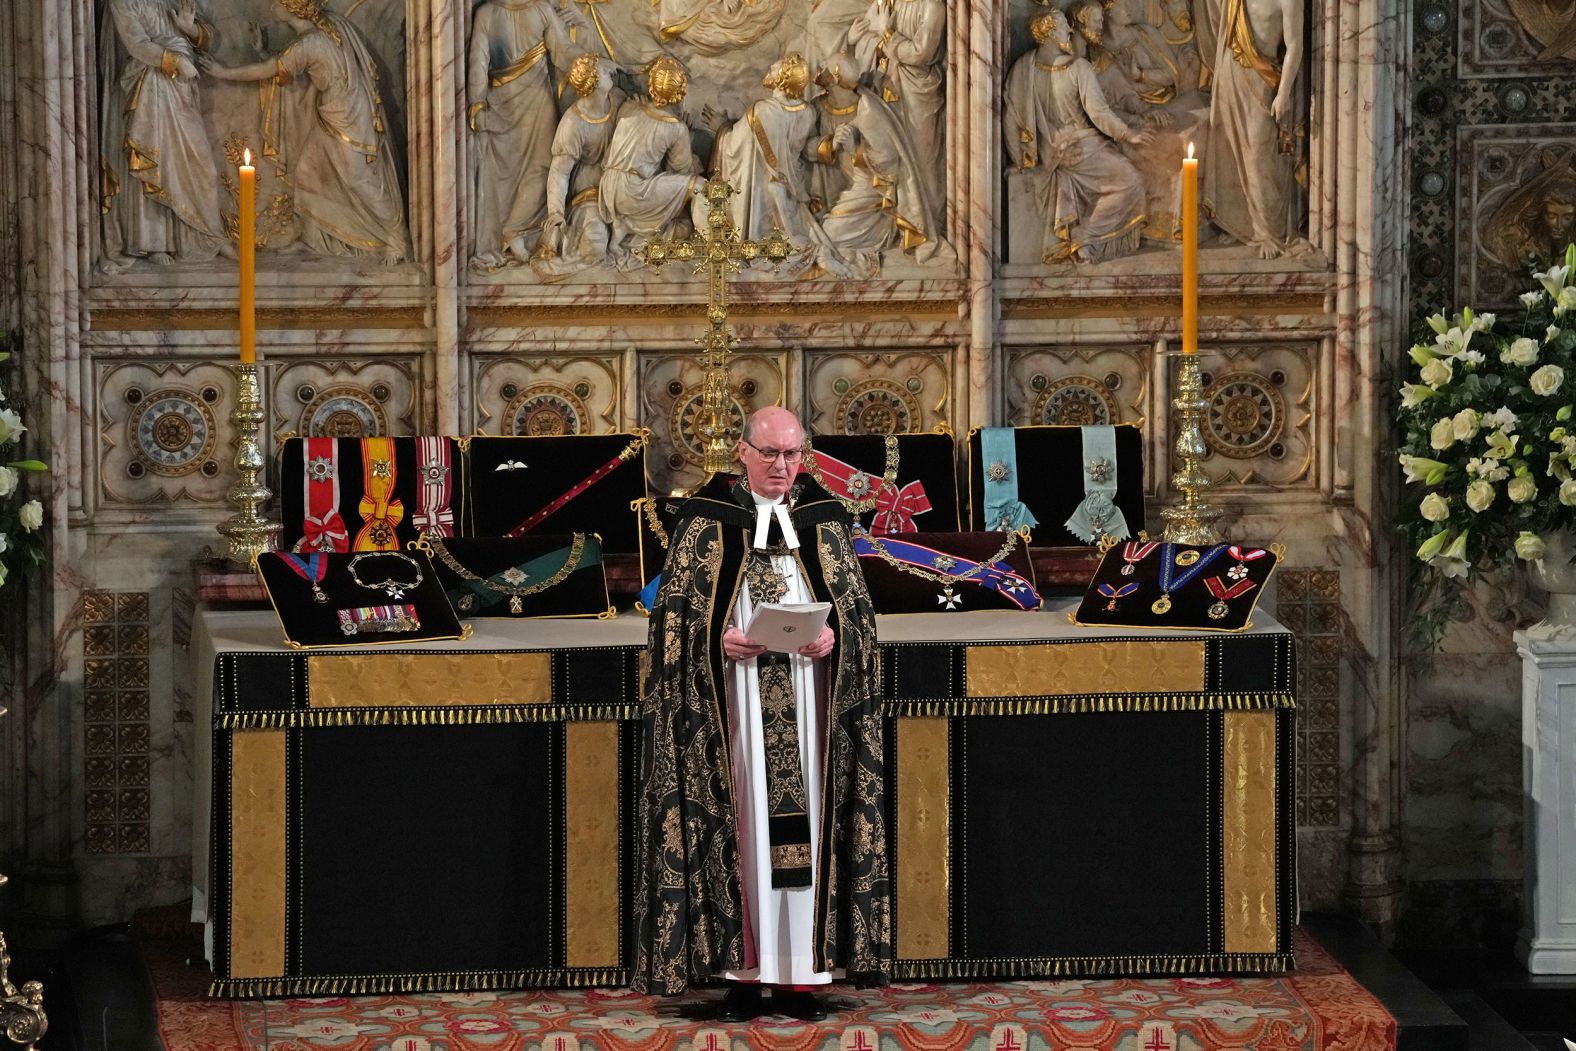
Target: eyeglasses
point(790, 456)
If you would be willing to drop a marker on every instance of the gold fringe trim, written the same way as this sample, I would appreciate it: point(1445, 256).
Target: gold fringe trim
point(1075, 704)
point(460, 981)
point(1078, 966)
point(515, 713)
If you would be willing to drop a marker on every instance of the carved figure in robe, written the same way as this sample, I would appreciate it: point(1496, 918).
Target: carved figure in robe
point(1552, 23)
point(651, 171)
point(766, 156)
point(1536, 222)
point(575, 234)
point(1164, 46)
point(1250, 185)
point(160, 185)
point(836, 105)
point(1063, 135)
point(512, 116)
point(887, 203)
point(828, 28)
point(715, 27)
point(340, 166)
point(903, 42)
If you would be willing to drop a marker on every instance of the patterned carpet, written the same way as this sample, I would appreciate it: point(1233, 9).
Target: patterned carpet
point(1319, 1007)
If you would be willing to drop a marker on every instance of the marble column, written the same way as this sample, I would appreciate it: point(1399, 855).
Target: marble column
point(1548, 732)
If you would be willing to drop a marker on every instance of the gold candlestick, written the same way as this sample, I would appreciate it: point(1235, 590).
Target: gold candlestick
point(1190, 520)
point(248, 532)
point(22, 1017)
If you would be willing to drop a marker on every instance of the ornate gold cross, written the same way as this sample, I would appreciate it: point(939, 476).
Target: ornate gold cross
point(717, 251)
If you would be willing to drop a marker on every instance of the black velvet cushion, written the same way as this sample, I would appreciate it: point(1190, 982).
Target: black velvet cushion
point(907, 590)
point(309, 622)
point(512, 480)
point(928, 459)
point(1051, 479)
point(1217, 592)
point(407, 485)
point(576, 585)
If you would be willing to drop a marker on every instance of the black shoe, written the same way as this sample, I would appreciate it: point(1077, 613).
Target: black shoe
point(806, 1007)
point(742, 1003)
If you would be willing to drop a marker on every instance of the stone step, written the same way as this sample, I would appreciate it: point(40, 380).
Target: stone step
point(1488, 1031)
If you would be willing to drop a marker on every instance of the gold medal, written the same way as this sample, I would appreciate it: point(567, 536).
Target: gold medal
point(1186, 558)
point(1161, 605)
point(1218, 611)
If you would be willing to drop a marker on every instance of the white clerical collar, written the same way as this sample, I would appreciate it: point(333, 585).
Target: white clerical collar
point(765, 508)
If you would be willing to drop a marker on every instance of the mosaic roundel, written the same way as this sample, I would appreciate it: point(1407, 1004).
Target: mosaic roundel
point(878, 407)
point(546, 409)
point(686, 417)
point(343, 412)
point(1246, 415)
point(1076, 401)
point(173, 431)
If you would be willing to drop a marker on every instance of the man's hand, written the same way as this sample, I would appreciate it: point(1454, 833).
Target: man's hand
point(738, 646)
point(821, 646)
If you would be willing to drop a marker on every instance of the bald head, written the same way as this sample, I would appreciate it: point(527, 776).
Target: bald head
point(777, 431)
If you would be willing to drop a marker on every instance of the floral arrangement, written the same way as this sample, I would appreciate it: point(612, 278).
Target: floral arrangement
point(1488, 437)
point(21, 517)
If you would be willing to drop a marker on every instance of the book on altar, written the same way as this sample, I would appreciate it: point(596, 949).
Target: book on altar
point(787, 626)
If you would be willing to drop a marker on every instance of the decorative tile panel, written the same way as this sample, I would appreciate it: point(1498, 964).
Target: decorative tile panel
point(670, 399)
point(1081, 386)
point(892, 392)
point(163, 432)
point(346, 399)
point(115, 715)
point(1259, 426)
point(1516, 201)
point(1308, 602)
point(542, 396)
point(1508, 38)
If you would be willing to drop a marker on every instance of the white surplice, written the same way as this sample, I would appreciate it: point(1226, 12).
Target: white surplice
point(779, 925)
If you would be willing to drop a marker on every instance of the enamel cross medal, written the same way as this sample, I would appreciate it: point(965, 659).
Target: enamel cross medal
point(1170, 559)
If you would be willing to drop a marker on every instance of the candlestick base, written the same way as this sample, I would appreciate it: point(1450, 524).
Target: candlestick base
point(249, 534)
point(1191, 520)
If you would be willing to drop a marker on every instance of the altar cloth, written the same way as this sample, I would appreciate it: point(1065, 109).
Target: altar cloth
point(460, 814)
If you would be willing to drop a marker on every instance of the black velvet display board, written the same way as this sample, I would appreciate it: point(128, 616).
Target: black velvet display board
point(576, 584)
point(903, 590)
point(1051, 479)
point(512, 480)
point(407, 484)
point(1211, 588)
point(929, 459)
point(308, 621)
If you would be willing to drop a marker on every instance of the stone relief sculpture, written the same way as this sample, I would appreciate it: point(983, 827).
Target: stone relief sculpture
point(714, 27)
point(1062, 138)
point(342, 171)
point(1552, 25)
point(512, 116)
point(651, 172)
point(575, 234)
point(903, 42)
point(1537, 220)
point(160, 184)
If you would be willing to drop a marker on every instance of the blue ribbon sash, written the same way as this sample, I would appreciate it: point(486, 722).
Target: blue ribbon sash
point(996, 576)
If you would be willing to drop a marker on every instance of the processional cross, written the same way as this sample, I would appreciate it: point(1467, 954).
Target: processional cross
point(717, 251)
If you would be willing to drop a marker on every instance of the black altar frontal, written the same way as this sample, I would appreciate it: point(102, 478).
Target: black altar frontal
point(460, 814)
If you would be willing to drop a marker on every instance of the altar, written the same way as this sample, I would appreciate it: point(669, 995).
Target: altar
point(460, 814)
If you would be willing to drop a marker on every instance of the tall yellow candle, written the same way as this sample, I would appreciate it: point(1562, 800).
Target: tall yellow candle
point(247, 222)
point(1190, 252)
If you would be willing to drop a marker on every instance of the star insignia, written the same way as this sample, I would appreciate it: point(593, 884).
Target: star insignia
point(382, 469)
point(998, 472)
point(1237, 572)
point(514, 575)
point(858, 484)
point(943, 562)
point(319, 469)
point(1099, 469)
point(435, 472)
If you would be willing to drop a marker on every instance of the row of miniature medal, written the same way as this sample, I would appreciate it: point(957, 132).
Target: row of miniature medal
point(1192, 562)
point(364, 619)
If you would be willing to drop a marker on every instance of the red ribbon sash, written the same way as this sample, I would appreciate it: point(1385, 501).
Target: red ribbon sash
point(895, 507)
point(322, 529)
point(434, 516)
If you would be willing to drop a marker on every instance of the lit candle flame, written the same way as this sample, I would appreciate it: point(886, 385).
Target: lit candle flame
point(246, 156)
point(1190, 151)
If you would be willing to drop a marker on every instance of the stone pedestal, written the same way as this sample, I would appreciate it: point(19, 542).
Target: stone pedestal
point(1548, 733)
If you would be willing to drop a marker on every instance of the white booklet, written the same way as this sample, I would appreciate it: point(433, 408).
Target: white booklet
point(785, 627)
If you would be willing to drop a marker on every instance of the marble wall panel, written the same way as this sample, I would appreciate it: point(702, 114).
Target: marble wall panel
point(573, 394)
point(1083, 385)
point(161, 433)
point(670, 398)
point(1259, 426)
point(892, 392)
point(1515, 199)
point(1509, 38)
point(360, 398)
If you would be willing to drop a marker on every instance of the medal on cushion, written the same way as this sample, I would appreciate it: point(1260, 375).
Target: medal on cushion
point(1115, 593)
point(394, 588)
point(948, 599)
point(1170, 559)
point(311, 569)
point(1224, 594)
point(1243, 557)
point(370, 619)
point(1134, 552)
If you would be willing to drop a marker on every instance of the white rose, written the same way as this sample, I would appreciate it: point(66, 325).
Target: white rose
point(1531, 299)
point(31, 515)
point(1521, 489)
point(1530, 547)
point(1436, 373)
point(1568, 297)
point(1483, 322)
point(1479, 495)
point(1435, 508)
point(1441, 436)
point(8, 479)
point(1568, 493)
point(1521, 352)
point(5, 543)
point(1546, 380)
point(1465, 424)
point(1551, 333)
